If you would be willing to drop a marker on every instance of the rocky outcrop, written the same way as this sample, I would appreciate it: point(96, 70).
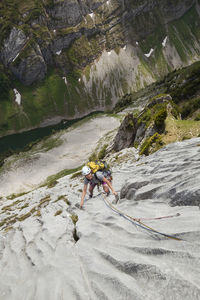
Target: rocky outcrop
point(154, 180)
point(12, 46)
point(134, 130)
point(70, 13)
point(65, 13)
point(126, 133)
point(31, 68)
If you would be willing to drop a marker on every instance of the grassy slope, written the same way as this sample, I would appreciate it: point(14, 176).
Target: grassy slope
point(178, 130)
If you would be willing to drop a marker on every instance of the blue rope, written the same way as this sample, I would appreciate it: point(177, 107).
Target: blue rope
point(140, 225)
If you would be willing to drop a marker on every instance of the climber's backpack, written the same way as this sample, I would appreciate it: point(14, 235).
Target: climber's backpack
point(98, 165)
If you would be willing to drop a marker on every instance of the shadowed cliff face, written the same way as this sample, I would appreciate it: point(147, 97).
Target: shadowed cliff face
point(47, 254)
point(82, 56)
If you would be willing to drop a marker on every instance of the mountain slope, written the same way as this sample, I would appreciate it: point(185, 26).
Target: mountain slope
point(68, 58)
point(47, 252)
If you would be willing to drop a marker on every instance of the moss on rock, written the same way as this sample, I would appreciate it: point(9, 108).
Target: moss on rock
point(151, 144)
point(159, 118)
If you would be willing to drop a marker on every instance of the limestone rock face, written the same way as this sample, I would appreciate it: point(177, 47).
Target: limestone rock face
point(30, 68)
point(70, 12)
point(13, 45)
point(65, 13)
point(50, 249)
point(63, 42)
point(153, 180)
point(174, 10)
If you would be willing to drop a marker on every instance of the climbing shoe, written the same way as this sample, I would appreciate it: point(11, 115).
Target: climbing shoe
point(90, 195)
point(108, 193)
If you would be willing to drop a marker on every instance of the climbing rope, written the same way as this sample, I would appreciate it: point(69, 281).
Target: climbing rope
point(159, 218)
point(137, 222)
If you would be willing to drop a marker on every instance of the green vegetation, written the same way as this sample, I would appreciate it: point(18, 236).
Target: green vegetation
point(23, 217)
point(197, 117)
point(20, 205)
point(5, 86)
point(189, 107)
point(155, 114)
point(9, 15)
point(40, 101)
point(93, 157)
point(13, 196)
point(11, 206)
point(44, 201)
point(151, 144)
point(58, 212)
point(49, 143)
point(125, 101)
point(64, 198)
point(52, 184)
point(44, 99)
point(157, 97)
point(38, 213)
point(25, 206)
point(74, 219)
point(160, 117)
point(98, 155)
point(77, 174)
point(165, 116)
point(178, 130)
point(82, 51)
point(49, 3)
point(184, 83)
point(181, 31)
point(61, 174)
point(102, 152)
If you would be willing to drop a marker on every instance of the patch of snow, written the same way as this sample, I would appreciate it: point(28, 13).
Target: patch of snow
point(109, 52)
point(54, 31)
point(108, 2)
point(91, 15)
point(15, 57)
point(124, 47)
point(164, 42)
point(17, 96)
point(79, 80)
point(150, 52)
point(65, 80)
point(137, 43)
point(58, 52)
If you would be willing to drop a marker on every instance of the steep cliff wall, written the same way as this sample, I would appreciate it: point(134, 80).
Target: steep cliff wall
point(68, 58)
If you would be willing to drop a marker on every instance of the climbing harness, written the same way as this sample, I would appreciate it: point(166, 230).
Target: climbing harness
point(137, 222)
